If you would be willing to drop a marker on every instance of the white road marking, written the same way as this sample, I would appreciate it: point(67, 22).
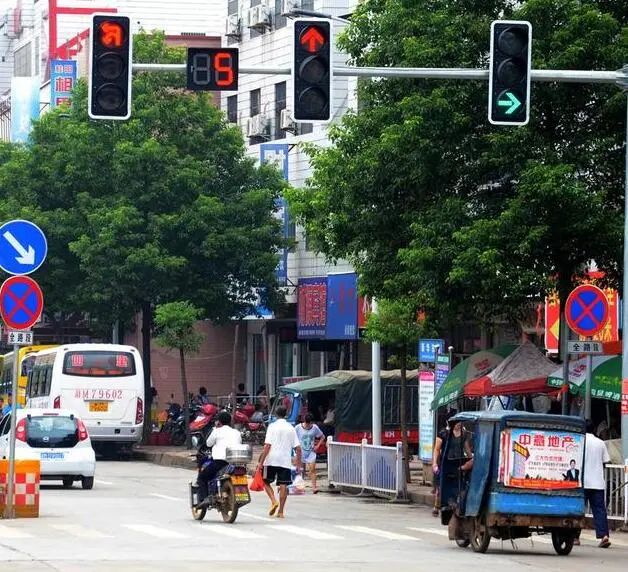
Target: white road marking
point(80, 531)
point(230, 530)
point(308, 532)
point(376, 532)
point(155, 531)
point(166, 497)
point(256, 517)
point(438, 531)
point(98, 481)
point(10, 532)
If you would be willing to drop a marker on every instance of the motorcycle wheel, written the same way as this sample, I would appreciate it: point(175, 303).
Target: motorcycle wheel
point(480, 538)
point(198, 513)
point(228, 506)
point(178, 437)
point(563, 541)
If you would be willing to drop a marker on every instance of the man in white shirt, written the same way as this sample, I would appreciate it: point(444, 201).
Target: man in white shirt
point(276, 459)
point(595, 457)
point(222, 437)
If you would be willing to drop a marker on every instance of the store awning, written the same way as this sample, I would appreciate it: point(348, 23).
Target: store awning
point(605, 377)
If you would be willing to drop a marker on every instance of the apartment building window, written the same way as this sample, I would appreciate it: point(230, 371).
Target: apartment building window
point(256, 102)
point(232, 9)
point(23, 62)
point(280, 21)
point(232, 109)
point(280, 104)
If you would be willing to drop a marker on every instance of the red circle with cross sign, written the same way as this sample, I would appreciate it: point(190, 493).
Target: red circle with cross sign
point(586, 310)
point(21, 302)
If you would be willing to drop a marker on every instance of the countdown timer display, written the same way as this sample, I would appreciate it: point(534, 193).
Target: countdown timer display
point(212, 69)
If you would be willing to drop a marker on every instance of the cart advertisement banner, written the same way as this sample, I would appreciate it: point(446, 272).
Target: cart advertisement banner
point(541, 459)
point(426, 416)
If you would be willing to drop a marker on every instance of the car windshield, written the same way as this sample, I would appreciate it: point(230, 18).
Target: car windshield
point(51, 431)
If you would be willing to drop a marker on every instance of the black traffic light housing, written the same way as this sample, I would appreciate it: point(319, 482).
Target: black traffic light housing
point(509, 72)
point(312, 70)
point(111, 63)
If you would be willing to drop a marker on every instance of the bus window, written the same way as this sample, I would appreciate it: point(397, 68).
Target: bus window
point(99, 364)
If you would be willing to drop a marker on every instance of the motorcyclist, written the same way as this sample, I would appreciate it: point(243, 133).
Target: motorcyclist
point(220, 438)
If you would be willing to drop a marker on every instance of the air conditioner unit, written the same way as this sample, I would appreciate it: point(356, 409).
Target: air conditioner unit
point(259, 17)
point(286, 121)
point(287, 6)
point(234, 26)
point(257, 126)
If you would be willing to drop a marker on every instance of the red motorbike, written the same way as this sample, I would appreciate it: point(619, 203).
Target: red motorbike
point(203, 423)
point(252, 431)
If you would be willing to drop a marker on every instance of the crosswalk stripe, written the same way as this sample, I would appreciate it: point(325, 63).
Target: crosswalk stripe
point(230, 530)
point(10, 532)
point(376, 532)
point(256, 517)
point(438, 531)
point(308, 532)
point(155, 531)
point(99, 482)
point(166, 497)
point(79, 531)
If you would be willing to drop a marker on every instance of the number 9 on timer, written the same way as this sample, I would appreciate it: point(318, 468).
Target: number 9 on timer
point(212, 69)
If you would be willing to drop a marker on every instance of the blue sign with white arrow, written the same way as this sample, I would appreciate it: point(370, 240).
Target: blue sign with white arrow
point(23, 247)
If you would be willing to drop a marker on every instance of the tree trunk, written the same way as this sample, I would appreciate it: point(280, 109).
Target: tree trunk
point(186, 402)
point(147, 327)
point(402, 414)
point(234, 355)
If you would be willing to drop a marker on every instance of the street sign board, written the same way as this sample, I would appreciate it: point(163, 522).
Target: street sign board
point(23, 247)
point(21, 302)
point(442, 369)
point(586, 310)
point(17, 337)
point(586, 347)
point(427, 349)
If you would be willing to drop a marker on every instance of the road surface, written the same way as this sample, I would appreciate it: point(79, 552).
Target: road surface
point(136, 519)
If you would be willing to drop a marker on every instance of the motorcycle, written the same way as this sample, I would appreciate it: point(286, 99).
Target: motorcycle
point(203, 421)
point(229, 490)
point(251, 431)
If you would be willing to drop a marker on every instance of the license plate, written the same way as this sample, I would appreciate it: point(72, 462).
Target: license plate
point(239, 480)
point(53, 456)
point(99, 406)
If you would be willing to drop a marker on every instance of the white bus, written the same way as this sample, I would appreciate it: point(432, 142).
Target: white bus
point(102, 383)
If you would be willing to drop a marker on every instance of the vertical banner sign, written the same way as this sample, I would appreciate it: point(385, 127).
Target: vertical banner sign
point(624, 397)
point(426, 416)
point(277, 154)
point(62, 80)
point(342, 306)
point(442, 369)
point(24, 107)
point(312, 308)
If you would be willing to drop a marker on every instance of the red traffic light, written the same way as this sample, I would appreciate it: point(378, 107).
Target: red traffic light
point(312, 39)
point(111, 34)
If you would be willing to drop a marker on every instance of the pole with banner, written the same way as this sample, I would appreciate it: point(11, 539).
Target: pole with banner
point(23, 249)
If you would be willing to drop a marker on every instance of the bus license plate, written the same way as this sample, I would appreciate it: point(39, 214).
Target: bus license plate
point(99, 406)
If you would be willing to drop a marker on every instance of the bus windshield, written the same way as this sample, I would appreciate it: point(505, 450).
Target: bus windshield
point(99, 364)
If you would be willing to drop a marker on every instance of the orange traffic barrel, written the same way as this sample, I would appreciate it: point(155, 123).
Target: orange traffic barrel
point(26, 487)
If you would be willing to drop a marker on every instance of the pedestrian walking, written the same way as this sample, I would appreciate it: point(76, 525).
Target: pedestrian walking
point(276, 460)
point(310, 436)
point(595, 457)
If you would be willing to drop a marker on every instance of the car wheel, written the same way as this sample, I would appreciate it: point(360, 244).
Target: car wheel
point(67, 482)
point(87, 483)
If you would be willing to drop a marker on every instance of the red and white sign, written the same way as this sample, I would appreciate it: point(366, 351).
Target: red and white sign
point(624, 397)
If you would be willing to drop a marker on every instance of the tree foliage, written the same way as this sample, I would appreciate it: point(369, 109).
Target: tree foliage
point(427, 199)
point(162, 207)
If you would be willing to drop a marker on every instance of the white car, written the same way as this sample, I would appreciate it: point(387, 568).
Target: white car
point(58, 438)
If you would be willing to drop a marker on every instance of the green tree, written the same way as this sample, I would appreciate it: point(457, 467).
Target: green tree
point(396, 325)
point(175, 324)
point(424, 196)
point(162, 207)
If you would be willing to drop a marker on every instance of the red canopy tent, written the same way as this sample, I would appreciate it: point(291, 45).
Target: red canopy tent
point(524, 371)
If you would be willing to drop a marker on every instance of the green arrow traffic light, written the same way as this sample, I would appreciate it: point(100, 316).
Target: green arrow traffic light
point(509, 99)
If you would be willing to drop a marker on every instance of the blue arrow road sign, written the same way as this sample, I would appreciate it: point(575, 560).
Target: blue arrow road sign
point(427, 349)
point(23, 247)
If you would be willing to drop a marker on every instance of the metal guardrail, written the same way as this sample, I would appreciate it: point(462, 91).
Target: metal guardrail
point(368, 467)
point(616, 477)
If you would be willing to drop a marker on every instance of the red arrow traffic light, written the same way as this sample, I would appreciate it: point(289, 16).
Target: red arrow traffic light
point(111, 34)
point(312, 39)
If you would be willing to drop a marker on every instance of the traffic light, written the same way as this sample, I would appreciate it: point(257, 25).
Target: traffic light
point(312, 70)
point(109, 95)
point(509, 73)
point(212, 69)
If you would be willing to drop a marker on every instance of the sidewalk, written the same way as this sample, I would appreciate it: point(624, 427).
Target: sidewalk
point(179, 457)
